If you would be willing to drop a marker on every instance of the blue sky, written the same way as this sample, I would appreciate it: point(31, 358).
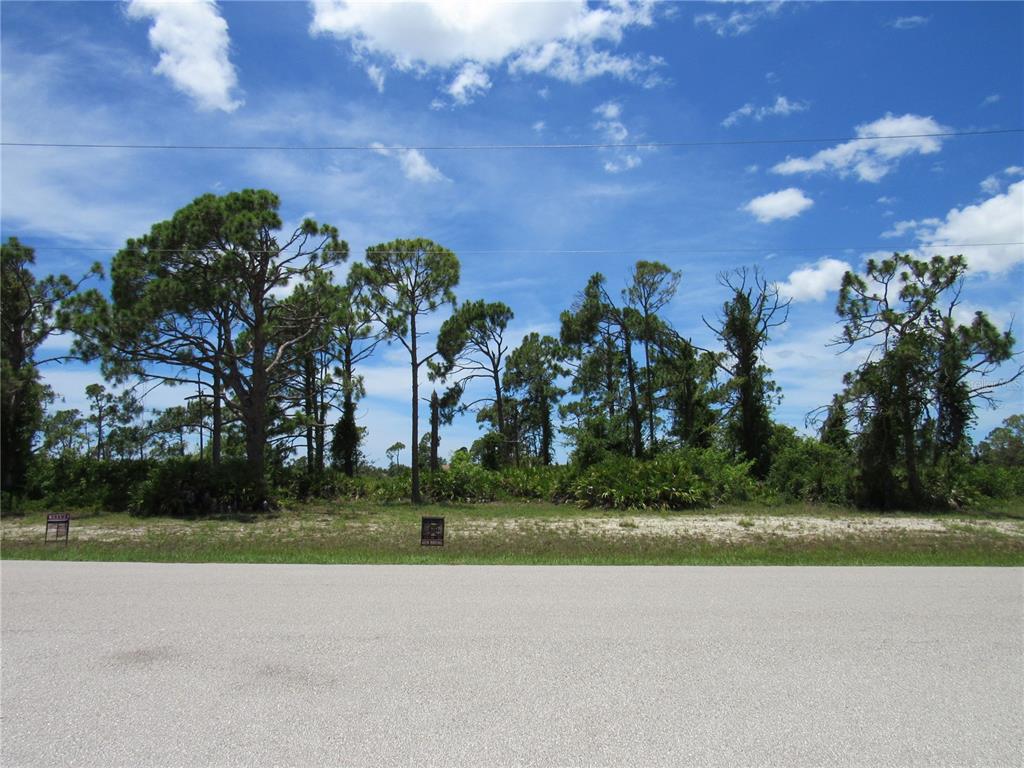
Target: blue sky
point(452, 73)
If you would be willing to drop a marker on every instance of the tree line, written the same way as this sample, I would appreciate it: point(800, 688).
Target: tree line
point(220, 300)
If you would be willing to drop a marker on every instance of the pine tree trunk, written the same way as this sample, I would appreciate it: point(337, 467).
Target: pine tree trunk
point(649, 376)
point(435, 426)
point(416, 498)
point(545, 431)
point(218, 421)
point(634, 409)
point(308, 409)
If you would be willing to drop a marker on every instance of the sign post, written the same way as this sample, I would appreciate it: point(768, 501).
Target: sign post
point(60, 525)
point(432, 532)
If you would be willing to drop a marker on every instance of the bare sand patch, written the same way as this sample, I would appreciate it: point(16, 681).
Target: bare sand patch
point(737, 528)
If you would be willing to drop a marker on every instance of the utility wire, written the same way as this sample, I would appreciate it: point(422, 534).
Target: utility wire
point(447, 147)
point(594, 251)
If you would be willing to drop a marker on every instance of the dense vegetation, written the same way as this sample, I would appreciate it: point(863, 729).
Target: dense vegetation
point(219, 300)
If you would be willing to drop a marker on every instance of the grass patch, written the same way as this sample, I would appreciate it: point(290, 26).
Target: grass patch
point(535, 533)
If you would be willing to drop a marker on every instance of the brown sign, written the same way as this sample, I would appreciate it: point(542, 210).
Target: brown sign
point(432, 532)
point(60, 525)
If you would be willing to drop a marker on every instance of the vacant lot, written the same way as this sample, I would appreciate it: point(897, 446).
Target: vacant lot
point(538, 533)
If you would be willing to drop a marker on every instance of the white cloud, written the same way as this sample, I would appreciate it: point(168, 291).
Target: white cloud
point(614, 131)
point(562, 40)
point(376, 75)
point(908, 22)
point(872, 160)
point(611, 126)
point(623, 163)
point(781, 106)
point(886, 200)
point(784, 204)
point(538, 126)
point(414, 165)
point(389, 382)
point(811, 283)
point(1014, 170)
point(738, 22)
point(470, 82)
point(900, 228)
point(568, 62)
point(193, 42)
point(610, 110)
point(418, 168)
point(991, 185)
point(992, 98)
point(1000, 219)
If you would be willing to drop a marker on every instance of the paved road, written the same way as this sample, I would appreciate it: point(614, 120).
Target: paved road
point(189, 665)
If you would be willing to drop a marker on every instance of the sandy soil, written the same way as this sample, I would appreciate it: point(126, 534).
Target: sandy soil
point(726, 528)
point(746, 527)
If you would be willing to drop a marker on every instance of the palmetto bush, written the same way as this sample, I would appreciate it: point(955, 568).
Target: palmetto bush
point(463, 481)
point(534, 482)
point(682, 479)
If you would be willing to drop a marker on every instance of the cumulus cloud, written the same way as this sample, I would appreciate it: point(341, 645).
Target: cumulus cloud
point(988, 233)
point(376, 75)
point(192, 39)
point(539, 126)
point(992, 98)
point(998, 221)
point(610, 110)
point(611, 127)
point(872, 160)
point(614, 131)
point(782, 106)
point(784, 204)
point(812, 282)
point(470, 82)
point(738, 22)
point(901, 228)
point(908, 22)
point(568, 41)
point(414, 164)
point(991, 185)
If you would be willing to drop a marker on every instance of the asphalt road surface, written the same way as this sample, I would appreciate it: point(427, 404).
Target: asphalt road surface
point(189, 665)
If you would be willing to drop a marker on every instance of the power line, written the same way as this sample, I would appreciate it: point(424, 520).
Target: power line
point(456, 147)
point(600, 251)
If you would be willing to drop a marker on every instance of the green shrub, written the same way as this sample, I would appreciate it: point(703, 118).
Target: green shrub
point(533, 482)
point(386, 488)
point(82, 482)
point(192, 487)
point(463, 481)
point(805, 469)
point(674, 480)
point(994, 481)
